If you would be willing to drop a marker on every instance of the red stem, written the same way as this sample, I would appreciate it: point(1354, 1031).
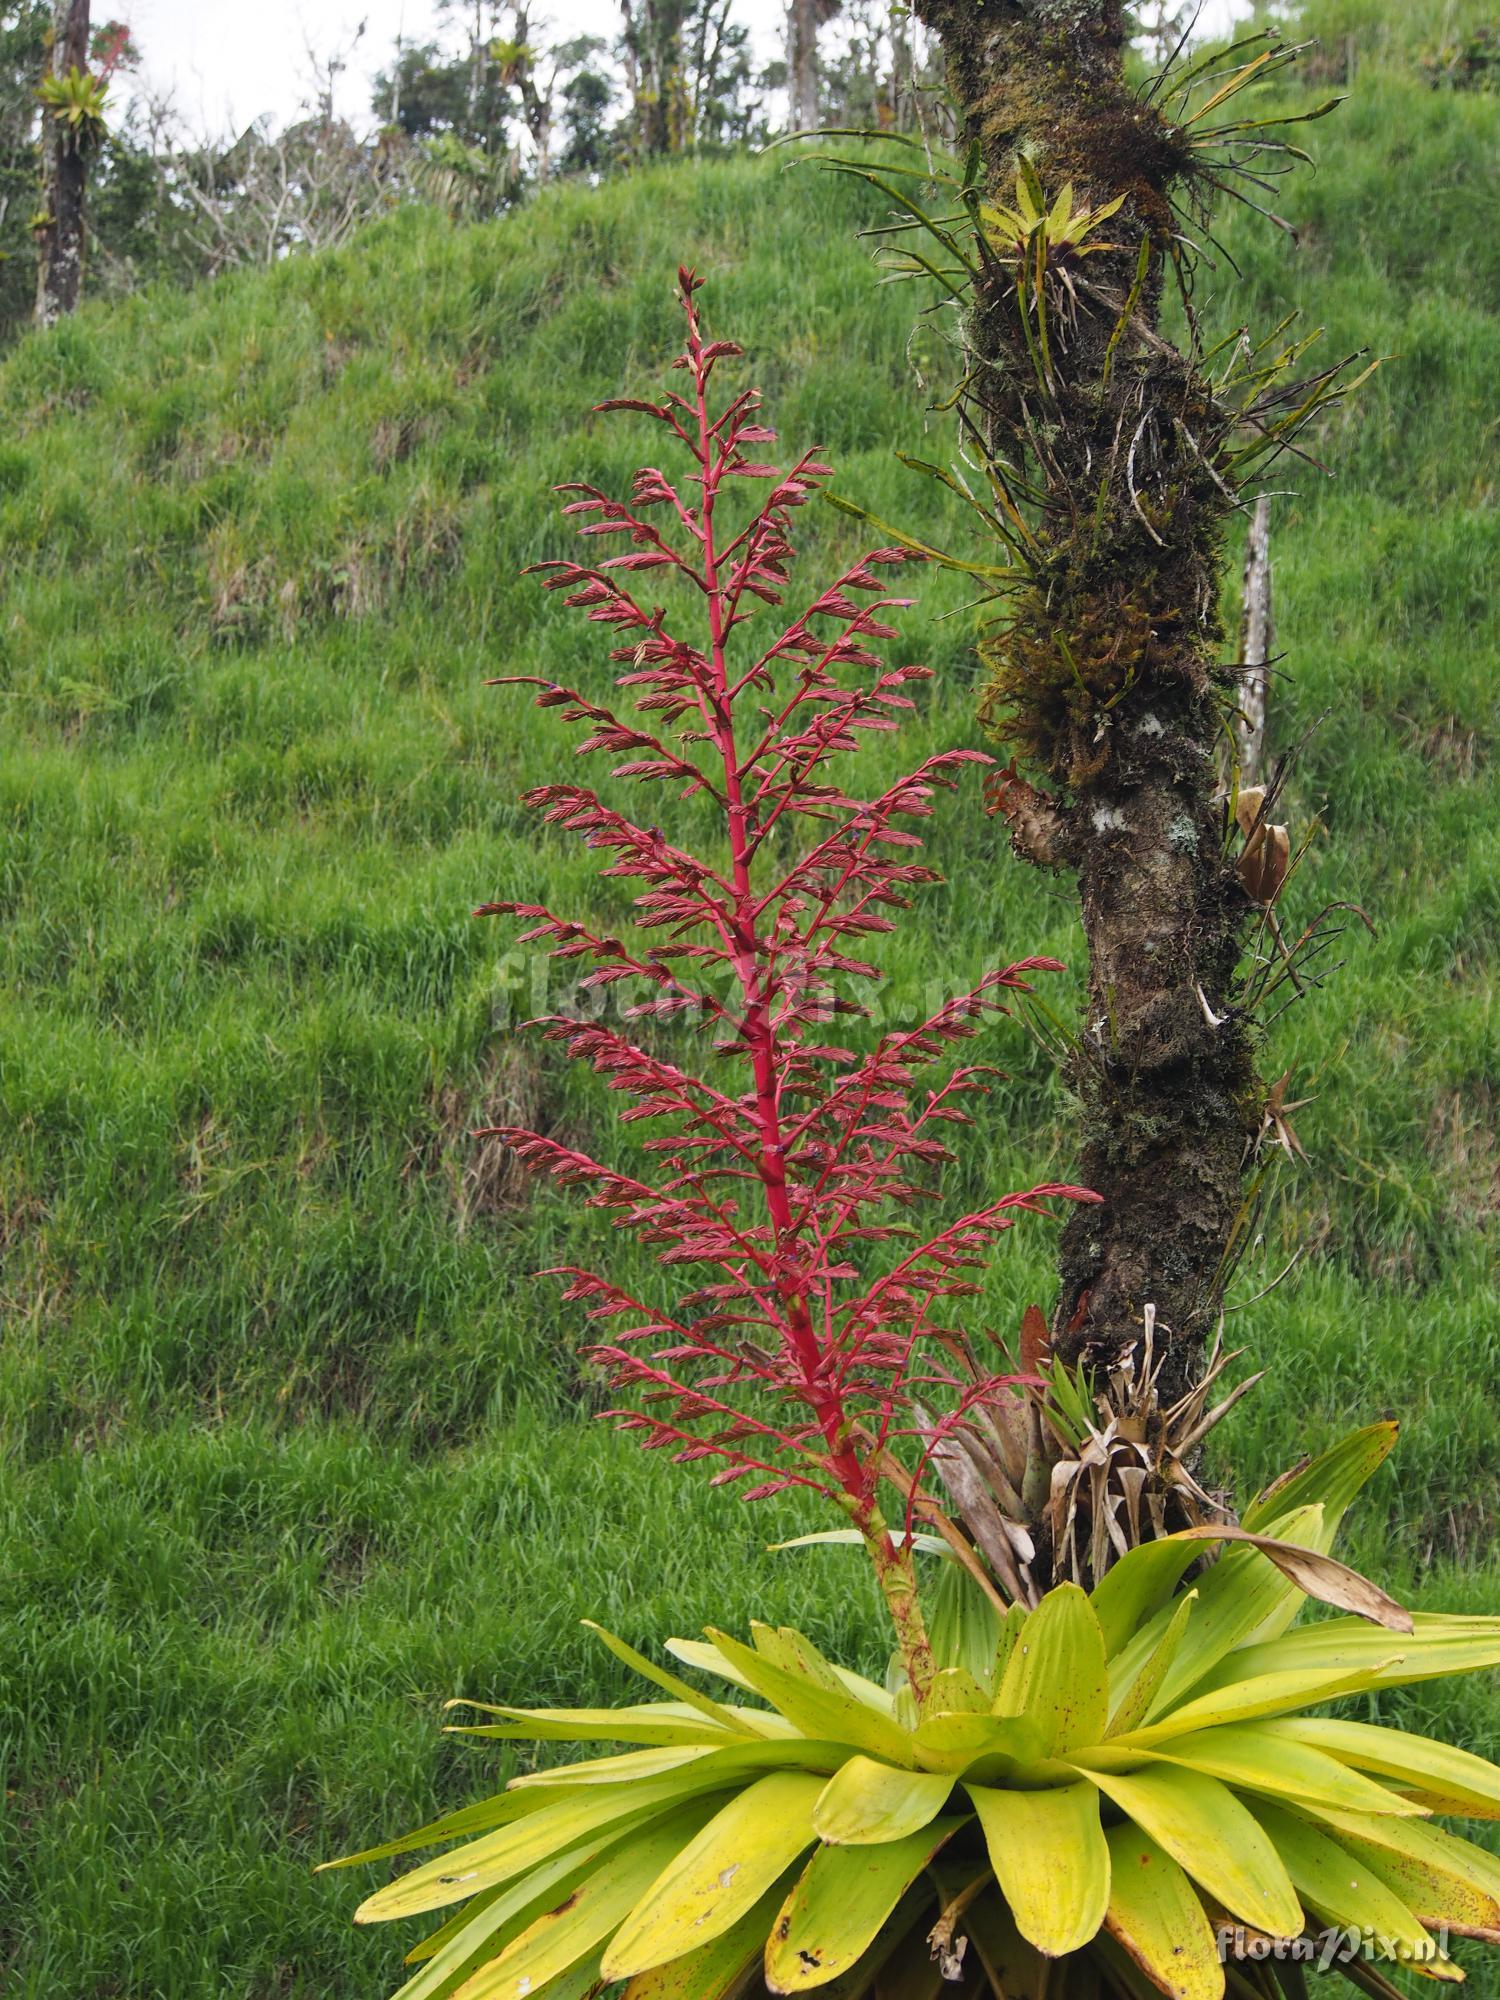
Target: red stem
point(893, 1565)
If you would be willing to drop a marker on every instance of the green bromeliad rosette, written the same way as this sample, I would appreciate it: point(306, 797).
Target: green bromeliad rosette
point(1134, 1774)
point(1092, 1770)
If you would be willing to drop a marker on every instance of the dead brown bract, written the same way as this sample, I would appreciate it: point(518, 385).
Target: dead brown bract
point(1276, 1119)
point(1267, 855)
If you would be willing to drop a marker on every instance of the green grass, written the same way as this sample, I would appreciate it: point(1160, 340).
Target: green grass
point(293, 1446)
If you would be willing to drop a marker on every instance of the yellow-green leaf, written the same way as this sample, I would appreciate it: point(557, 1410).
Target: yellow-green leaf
point(1056, 1677)
point(717, 1970)
point(631, 1765)
point(482, 1817)
point(1331, 1480)
point(840, 1903)
point(579, 1982)
point(955, 1743)
point(1050, 1858)
point(964, 1626)
point(1204, 1828)
point(708, 1659)
point(865, 1801)
point(1245, 1701)
point(1243, 1597)
point(664, 1722)
point(1437, 1646)
point(1441, 1879)
point(578, 1923)
point(1133, 1592)
point(514, 1850)
point(1344, 1891)
point(476, 1907)
point(1433, 1774)
point(738, 1759)
point(712, 1711)
point(794, 1653)
point(956, 1691)
point(818, 1711)
point(719, 1875)
point(1029, 197)
point(492, 1921)
point(1155, 1915)
point(1245, 1757)
point(1005, 1642)
point(1314, 1572)
point(797, 1654)
point(480, 1934)
point(1132, 1704)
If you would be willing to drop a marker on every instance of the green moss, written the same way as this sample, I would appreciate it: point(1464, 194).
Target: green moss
point(1079, 656)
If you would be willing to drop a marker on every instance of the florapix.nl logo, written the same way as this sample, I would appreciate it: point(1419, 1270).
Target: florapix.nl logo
point(1336, 1945)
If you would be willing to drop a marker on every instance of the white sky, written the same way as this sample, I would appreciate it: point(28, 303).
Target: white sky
point(226, 62)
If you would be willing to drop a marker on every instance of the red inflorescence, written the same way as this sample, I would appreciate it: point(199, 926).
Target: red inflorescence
point(768, 1185)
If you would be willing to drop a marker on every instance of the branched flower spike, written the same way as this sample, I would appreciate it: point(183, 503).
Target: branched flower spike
point(790, 1359)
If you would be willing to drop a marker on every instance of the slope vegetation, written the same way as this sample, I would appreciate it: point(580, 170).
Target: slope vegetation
point(293, 1447)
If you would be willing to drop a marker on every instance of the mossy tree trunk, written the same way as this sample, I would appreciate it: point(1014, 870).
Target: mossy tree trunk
point(65, 175)
point(1104, 674)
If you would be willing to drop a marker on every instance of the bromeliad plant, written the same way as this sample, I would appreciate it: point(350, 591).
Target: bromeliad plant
point(1118, 1794)
point(1058, 1790)
point(77, 101)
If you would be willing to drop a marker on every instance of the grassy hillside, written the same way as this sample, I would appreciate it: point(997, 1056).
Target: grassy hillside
point(293, 1446)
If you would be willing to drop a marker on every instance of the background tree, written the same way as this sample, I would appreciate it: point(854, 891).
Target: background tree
point(653, 39)
point(23, 52)
point(423, 91)
point(73, 97)
point(587, 99)
point(804, 19)
point(689, 75)
point(721, 76)
point(540, 78)
point(882, 69)
point(480, 22)
point(72, 106)
point(212, 206)
point(429, 89)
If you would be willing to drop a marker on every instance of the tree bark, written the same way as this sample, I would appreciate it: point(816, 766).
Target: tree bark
point(630, 55)
point(1105, 679)
point(65, 172)
point(802, 64)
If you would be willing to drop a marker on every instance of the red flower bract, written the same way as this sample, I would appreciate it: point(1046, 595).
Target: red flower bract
point(783, 1358)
